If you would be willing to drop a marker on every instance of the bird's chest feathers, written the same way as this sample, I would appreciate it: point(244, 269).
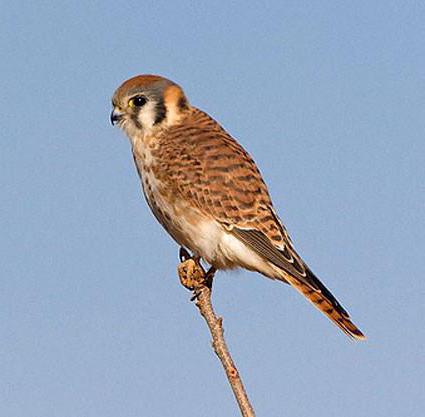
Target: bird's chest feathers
point(143, 146)
point(145, 152)
point(174, 213)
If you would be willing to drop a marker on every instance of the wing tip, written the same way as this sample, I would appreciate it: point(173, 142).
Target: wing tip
point(356, 334)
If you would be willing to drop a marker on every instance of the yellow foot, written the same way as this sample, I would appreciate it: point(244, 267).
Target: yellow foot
point(191, 274)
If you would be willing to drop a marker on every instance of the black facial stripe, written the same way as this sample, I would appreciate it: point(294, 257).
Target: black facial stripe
point(137, 123)
point(160, 110)
point(182, 103)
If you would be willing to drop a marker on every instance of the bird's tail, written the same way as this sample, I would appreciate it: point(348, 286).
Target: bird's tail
point(324, 301)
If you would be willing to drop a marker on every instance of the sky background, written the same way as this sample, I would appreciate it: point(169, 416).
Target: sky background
point(328, 97)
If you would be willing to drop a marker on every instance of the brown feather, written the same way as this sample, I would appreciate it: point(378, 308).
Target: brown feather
point(326, 305)
point(202, 163)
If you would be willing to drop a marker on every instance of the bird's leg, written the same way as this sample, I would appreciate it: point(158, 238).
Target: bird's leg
point(184, 254)
point(192, 274)
point(207, 281)
point(190, 270)
point(209, 277)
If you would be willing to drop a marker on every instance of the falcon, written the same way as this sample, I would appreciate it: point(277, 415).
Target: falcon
point(207, 192)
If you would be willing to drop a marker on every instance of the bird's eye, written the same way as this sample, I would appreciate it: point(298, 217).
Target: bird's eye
point(137, 101)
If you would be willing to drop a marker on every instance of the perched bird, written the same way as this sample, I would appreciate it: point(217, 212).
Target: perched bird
point(207, 192)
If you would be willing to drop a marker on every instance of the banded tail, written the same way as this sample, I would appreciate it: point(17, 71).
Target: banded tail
point(324, 301)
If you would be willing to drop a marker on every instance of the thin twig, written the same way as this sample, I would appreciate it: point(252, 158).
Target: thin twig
point(193, 276)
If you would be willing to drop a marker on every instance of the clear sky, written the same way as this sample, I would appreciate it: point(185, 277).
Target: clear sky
point(328, 97)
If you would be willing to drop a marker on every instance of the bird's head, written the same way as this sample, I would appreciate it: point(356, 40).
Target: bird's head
point(146, 102)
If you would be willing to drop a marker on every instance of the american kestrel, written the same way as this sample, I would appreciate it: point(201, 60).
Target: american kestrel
point(207, 192)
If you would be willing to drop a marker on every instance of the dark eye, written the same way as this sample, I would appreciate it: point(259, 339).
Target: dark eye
point(138, 101)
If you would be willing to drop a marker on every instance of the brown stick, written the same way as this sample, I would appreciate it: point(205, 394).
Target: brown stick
point(193, 276)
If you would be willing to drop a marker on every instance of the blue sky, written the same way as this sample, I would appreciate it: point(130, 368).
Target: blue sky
point(328, 97)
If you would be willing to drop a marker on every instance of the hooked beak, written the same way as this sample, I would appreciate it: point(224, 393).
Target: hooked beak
point(116, 116)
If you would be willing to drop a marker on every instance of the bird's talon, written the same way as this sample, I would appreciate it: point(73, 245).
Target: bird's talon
point(195, 296)
point(209, 277)
point(192, 275)
point(183, 254)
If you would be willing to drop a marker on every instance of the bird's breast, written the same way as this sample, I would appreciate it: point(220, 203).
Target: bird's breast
point(160, 194)
point(185, 223)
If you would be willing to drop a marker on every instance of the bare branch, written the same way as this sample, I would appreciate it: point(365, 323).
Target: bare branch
point(193, 276)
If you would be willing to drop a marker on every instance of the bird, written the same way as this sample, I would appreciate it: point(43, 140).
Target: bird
point(207, 192)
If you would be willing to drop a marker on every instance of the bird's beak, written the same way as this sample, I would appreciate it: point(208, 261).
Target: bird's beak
point(115, 116)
